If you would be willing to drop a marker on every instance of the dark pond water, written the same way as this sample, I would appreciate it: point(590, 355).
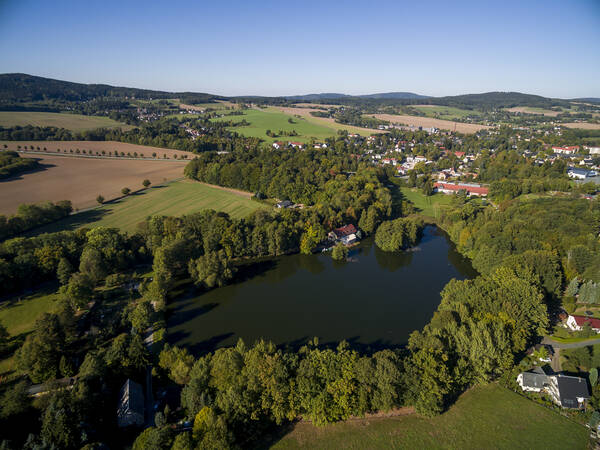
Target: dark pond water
point(376, 299)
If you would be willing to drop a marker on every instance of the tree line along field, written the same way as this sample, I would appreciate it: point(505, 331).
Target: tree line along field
point(487, 416)
point(74, 122)
point(95, 148)
point(81, 180)
point(172, 199)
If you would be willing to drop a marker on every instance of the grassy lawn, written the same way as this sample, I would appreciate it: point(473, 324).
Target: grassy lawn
point(173, 199)
point(263, 120)
point(426, 205)
point(484, 417)
point(75, 122)
point(19, 316)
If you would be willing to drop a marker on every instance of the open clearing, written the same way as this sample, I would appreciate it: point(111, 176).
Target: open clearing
point(173, 199)
point(275, 120)
point(427, 122)
point(582, 125)
point(443, 112)
point(426, 205)
point(95, 146)
point(18, 315)
point(324, 121)
point(482, 418)
point(74, 122)
point(81, 180)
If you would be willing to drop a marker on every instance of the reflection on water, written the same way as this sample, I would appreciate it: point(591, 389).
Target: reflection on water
point(377, 299)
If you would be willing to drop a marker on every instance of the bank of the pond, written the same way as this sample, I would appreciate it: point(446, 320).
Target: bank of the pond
point(376, 299)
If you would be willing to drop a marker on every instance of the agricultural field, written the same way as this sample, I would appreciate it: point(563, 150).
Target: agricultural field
point(95, 147)
point(172, 199)
point(218, 105)
point(483, 417)
point(427, 122)
point(582, 125)
point(74, 122)
point(81, 180)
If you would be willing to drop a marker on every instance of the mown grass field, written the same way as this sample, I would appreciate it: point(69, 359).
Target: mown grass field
point(18, 315)
point(485, 417)
point(263, 120)
point(274, 120)
point(74, 122)
point(173, 199)
point(426, 205)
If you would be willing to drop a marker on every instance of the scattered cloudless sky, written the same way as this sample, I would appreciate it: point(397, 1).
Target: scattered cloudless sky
point(253, 47)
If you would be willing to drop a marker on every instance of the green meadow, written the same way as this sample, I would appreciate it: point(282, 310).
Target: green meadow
point(74, 122)
point(444, 112)
point(426, 205)
point(18, 315)
point(484, 417)
point(263, 120)
point(173, 199)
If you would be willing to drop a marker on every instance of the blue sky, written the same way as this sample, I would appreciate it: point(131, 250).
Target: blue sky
point(228, 47)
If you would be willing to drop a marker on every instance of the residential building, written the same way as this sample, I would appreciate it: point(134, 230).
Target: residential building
point(569, 392)
point(566, 391)
point(580, 174)
point(534, 381)
point(566, 150)
point(284, 204)
point(131, 405)
point(346, 235)
point(576, 323)
point(453, 188)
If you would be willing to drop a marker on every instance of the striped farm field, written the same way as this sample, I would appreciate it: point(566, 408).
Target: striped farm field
point(427, 122)
point(172, 199)
point(81, 180)
point(74, 122)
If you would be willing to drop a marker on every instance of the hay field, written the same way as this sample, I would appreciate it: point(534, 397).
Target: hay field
point(582, 125)
point(81, 180)
point(443, 112)
point(173, 199)
point(74, 122)
point(427, 122)
point(532, 110)
point(95, 146)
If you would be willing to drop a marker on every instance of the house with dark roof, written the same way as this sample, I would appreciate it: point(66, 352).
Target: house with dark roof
point(566, 391)
point(533, 381)
point(569, 392)
point(284, 204)
point(131, 405)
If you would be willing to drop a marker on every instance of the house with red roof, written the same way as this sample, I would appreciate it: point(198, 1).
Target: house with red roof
point(459, 154)
point(453, 188)
point(296, 144)
point(346, 234)
point(576, 323)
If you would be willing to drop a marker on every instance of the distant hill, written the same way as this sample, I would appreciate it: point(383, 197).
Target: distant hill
point(396, 95)
point(335, 96)
point(587, 99)
point(21, 88)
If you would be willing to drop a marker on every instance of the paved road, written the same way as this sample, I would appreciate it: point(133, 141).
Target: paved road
point(555, 344)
